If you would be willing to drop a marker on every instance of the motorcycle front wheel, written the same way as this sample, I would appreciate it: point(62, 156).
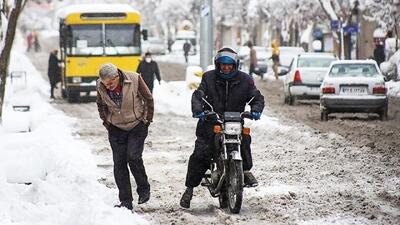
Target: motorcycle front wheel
point(223, 198)
point(235, 186)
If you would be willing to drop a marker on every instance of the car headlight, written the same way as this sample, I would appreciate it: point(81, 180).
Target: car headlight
point(76, 79)
point(233, 128)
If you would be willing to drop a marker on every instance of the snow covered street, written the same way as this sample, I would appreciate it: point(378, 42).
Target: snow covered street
point(56, 165)
point(306, 176)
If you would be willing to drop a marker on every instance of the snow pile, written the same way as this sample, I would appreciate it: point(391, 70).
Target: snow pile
point(393, 88)
point(172, 97)
point(47, 176)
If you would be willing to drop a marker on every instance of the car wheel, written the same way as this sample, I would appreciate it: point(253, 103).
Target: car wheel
point(324, 115)
point(383, 113)
point(290, 100)
point(286, 100)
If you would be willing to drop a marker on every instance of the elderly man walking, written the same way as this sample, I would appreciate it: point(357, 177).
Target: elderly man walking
point(126, 107)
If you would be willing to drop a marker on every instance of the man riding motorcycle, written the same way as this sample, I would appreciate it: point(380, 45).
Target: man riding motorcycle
point(226, 89)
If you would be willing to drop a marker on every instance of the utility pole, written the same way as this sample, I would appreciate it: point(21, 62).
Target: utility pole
point(341, 40)
point(206, 34)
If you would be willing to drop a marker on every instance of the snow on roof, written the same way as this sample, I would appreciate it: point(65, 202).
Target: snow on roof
point(317, 54)
point(91, 8)
point(369, 61)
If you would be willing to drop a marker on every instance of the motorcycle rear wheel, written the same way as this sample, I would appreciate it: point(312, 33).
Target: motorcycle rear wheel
point(235, 186)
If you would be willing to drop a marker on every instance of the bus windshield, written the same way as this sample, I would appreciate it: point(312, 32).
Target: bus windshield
point(110, 39)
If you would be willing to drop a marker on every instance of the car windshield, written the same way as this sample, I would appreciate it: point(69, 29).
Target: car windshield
point(353, 70)
point(314, 62)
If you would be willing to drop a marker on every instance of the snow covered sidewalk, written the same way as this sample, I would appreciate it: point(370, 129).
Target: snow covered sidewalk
point(47, 176)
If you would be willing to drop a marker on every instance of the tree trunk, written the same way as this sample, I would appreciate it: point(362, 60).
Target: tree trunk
point(5, 54)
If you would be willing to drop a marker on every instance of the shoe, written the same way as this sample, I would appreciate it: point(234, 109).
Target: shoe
point(127, 205)
point(249, 179)
point(186, 197)
point(144, 198)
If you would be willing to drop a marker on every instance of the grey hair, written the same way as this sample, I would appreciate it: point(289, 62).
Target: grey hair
point(108, 70)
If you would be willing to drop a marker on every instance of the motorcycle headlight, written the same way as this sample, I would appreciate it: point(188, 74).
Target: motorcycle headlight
point(233, 128)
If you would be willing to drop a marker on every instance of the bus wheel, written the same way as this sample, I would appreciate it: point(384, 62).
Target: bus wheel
point(63, 93)
point(73, 96)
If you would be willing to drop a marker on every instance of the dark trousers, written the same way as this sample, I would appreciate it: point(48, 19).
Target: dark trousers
point(199, 161)
point(252, 69)
point(52, 86)
point(127, 148)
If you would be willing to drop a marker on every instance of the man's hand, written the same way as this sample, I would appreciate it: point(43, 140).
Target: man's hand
point(199, 115)
point(256, 115)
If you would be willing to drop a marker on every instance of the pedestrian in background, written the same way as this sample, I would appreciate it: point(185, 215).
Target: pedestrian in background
point(148, 68)
point(275, 57)
point(36, 43)
point(53, 71)
point(379, 53)
point(126, 106)
point(29, 41)
point(253, 58)
point(186, 49)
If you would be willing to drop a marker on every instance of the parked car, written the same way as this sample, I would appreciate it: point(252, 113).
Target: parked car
point(353, 86)
point(154, 45)
point(263, 54)
point(305, 76)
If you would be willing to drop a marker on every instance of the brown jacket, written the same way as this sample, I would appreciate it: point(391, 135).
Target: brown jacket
point(253, 57)
point(137, 103)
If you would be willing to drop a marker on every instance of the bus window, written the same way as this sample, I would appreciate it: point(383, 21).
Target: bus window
point(86, 40)
point(122, 39)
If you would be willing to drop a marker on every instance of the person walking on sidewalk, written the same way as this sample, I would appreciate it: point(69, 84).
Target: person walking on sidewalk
point(53, 71)
point(126, 107)
point(148, 68)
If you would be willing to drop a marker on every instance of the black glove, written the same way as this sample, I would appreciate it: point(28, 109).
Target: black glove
point(106, 125)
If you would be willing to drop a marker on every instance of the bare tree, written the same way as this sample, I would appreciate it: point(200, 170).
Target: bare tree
point(12, 17)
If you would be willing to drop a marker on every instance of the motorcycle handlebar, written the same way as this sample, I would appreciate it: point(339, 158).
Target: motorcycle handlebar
point(214, 115)
point(247, 115)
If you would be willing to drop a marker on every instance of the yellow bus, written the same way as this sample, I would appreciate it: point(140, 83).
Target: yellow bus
point(92, 34)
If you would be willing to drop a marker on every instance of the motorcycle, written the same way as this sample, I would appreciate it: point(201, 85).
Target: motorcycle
point(226, 179)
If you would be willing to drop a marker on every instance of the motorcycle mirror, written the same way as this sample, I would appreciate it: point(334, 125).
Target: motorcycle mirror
point(248, 103)
point(212, 109)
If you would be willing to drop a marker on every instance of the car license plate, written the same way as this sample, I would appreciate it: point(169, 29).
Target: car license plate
point(353, 90)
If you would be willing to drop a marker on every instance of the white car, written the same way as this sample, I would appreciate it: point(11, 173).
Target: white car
point(354, 86)
point(154, 45)
point(305, 76)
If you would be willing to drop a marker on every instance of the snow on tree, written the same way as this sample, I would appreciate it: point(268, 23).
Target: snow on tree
point(385, 12)
point(12, 14)
point(291, 16)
